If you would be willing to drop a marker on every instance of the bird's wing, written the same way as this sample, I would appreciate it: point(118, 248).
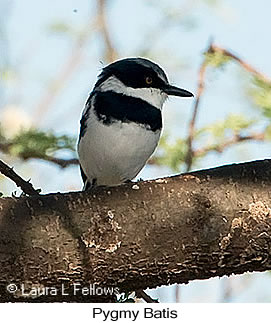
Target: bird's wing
point(83, 128)
point(85, 115)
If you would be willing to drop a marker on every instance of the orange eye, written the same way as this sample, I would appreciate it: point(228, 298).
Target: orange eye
point(148, 80)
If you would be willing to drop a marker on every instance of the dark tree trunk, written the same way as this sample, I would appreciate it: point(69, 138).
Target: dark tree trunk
point(194, 226)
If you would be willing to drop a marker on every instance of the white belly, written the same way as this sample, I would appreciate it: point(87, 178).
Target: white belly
point(114, 153)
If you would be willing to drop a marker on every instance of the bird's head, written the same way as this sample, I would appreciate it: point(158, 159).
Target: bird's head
point(140, 78)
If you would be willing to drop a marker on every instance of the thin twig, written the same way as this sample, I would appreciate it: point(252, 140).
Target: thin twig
point(74, 60)
point(191, 131)
point(141, 294)
point(219, 148)
point(241, 62)
point(110, 51)
point(63, 163)
point(230, 142)
point(26, 187)
point(65, 72)
point(227, 290)
point(177, 293)
point(191, 154)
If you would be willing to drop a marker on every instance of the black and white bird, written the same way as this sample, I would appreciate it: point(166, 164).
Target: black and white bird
point(122, 121)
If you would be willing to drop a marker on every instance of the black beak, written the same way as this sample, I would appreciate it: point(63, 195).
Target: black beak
point(173, 90)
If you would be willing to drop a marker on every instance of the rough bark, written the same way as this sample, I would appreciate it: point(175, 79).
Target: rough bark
point(194, 226)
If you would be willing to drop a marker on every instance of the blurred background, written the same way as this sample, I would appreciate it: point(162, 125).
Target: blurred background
point(51, 53)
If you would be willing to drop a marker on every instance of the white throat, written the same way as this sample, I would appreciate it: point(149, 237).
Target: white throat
point(153, 96)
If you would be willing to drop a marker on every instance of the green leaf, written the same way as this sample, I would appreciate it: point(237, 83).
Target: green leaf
point(172, 155)
point(34, 143)
point(233, 123)
point(261, 96)
point(216, 59)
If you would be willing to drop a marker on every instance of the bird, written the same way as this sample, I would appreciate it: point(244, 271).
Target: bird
point(121, 122)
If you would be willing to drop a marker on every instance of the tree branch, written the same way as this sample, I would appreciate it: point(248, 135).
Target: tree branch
point(198, 225)
point(26, 187)
point(191, 131)
point(229, 142)
point(110, 52)
point(64, 73)
point(63, 163)
point(212, 49)
point(249, 68)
